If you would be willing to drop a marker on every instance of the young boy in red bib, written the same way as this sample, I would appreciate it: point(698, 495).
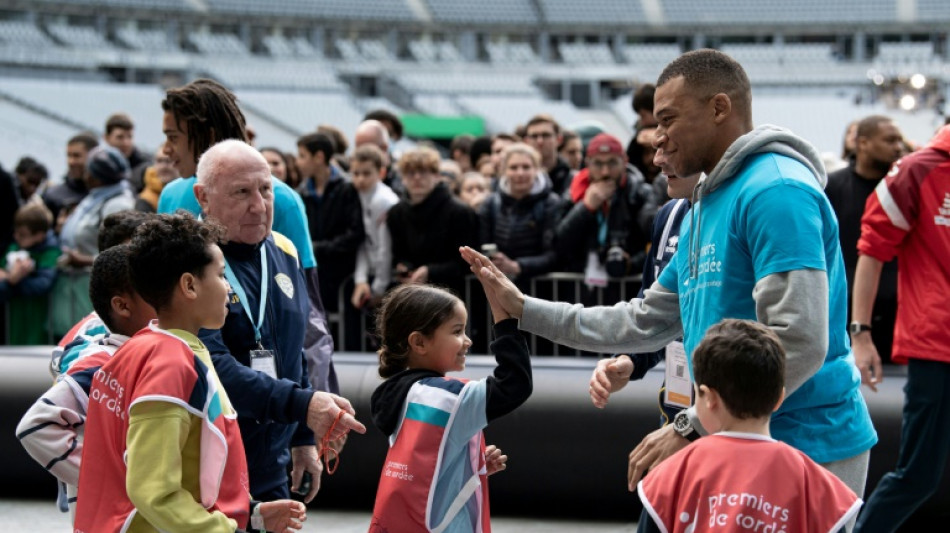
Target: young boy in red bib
point(163, 451)
point(739, 478)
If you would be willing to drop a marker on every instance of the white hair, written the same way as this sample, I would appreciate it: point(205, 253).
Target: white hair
point(225, 157)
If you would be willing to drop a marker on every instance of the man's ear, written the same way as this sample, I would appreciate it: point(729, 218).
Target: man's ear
point(417, 342)
point(201, 194)
point(722, 107)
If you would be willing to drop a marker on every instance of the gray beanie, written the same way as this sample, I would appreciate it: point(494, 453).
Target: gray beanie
point(108, 165)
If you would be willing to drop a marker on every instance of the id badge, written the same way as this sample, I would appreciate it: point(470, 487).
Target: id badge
point(679, 386)
point(263, 361)
point(595, 274)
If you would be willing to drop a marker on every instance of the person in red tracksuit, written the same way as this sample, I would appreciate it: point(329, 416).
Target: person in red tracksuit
point(908, 216)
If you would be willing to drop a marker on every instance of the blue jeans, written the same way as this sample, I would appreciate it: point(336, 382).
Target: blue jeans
point(925, 445)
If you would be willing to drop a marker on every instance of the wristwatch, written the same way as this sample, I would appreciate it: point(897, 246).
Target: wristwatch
point(684, 427)
point(856, 327)
point(257, 519)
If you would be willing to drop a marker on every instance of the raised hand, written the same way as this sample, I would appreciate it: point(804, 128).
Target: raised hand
point(495, 283)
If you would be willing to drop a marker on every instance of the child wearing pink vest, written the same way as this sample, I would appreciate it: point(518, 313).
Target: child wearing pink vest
point(738, 478)
point(435, 474)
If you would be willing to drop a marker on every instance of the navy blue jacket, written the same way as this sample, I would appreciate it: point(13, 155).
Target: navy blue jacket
point(268, 410)
point(661, 253)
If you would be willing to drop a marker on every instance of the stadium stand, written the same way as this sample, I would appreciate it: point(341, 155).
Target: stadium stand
point(734, 12)
point(442, 57)
point(501, 12)
point(155, 40)
point(586, 54)
point(592, 12)
point(378, 10)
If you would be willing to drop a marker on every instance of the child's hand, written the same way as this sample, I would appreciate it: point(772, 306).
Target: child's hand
point(610, 375)
point(20, 269)
point(283, 516)
point(495, 461)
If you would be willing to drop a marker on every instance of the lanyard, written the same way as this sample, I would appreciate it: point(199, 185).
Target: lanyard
point(239, 290)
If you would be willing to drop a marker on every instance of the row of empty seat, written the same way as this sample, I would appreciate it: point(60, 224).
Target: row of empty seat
point(22, 34)
point(556, 12)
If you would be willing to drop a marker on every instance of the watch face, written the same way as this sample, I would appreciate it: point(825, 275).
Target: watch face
point(681, 423)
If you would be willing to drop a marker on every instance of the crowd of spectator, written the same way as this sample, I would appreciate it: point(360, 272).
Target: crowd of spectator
point(528, 196)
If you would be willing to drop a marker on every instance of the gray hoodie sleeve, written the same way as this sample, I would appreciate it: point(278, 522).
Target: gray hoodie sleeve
point(795, 306)
point(640, 325)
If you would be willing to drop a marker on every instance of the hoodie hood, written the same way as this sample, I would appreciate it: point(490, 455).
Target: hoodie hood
point(941, 141)
point(541, 184)
point(763, 139)
point(388, 401)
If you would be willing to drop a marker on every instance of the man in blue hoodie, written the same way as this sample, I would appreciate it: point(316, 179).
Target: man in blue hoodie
point(761, 243)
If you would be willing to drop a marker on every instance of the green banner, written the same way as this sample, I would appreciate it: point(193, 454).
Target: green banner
point(420, 126)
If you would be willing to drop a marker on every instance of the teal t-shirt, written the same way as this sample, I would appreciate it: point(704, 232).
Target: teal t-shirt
point(771, 218)
point(290, 217)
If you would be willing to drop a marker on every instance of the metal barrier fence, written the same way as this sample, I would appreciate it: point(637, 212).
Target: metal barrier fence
point(556, 286)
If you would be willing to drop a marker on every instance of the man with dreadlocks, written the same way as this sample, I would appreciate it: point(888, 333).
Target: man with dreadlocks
point(196, 117)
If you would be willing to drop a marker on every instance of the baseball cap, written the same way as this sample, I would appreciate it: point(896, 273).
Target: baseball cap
point(604, 144)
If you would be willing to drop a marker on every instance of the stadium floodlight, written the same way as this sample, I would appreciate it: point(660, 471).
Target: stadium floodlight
point(878, 79)
point(918, 81)
point(908, 102)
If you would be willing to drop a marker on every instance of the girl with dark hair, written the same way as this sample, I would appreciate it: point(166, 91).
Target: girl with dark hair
point(435, 477)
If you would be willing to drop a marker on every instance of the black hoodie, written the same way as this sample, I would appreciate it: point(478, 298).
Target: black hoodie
point(508, 387)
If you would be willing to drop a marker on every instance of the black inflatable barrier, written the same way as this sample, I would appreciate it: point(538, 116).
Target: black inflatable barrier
point(566, 458)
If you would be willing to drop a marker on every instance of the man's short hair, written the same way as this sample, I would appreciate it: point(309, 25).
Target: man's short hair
point(369, 153)
point(109, 278)
point(119, 121)
point(422, 158)
point(210, 113)
point(88, 140)
point(164, 248)
point(543, 118)
point(31, 167)
point(708, 72)
point(394, 125)
point(869, 126)
point(35, 217)
point(318, 142)
point(118, 227)
point(643, 98)
point(744, 362)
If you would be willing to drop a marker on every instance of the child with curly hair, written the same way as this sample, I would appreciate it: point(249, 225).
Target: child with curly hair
point(163, 450)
